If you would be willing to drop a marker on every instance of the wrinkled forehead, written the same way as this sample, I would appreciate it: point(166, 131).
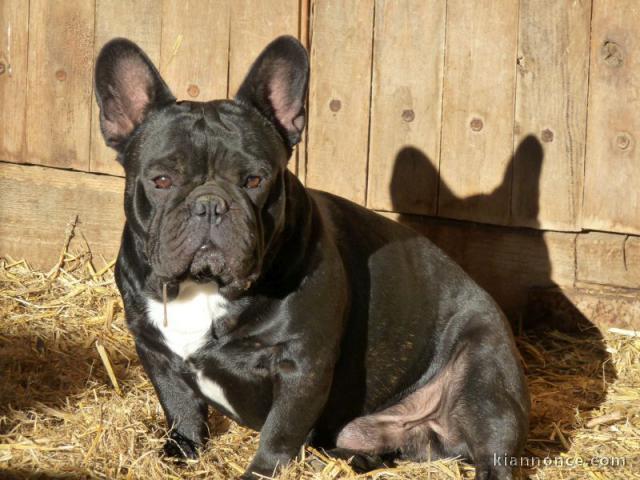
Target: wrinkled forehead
point(209, 133)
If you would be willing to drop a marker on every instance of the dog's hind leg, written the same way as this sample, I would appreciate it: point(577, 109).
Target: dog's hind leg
point(417, 426)
point(472, 409)
point(362, 462)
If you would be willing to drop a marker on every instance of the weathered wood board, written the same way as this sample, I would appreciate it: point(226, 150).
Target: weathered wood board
point(14, 34)
point(551, 104)
point(300, 168)
point(142, 24)
point(338, 127)
point(253, 26)
point(612, 175)
point(478, 110)
point(37, 204)
point(195, 48)
point(580, 308)
point(406, 106)
point(59, 82)
point(608, 259)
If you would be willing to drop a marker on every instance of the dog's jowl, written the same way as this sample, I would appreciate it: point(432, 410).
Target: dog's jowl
point(292, 311)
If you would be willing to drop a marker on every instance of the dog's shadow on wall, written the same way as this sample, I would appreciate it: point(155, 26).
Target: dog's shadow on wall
point(564, 354)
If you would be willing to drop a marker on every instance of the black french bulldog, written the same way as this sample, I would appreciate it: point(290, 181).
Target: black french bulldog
point(292, 311)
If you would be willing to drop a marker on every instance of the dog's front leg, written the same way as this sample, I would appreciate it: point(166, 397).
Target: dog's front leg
point(300, 394)
point(185, 411)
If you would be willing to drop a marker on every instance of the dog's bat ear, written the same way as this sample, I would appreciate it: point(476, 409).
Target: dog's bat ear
point(128, 86)
point(277, 86)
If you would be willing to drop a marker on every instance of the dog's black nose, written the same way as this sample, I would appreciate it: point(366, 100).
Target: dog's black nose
point(209, 205)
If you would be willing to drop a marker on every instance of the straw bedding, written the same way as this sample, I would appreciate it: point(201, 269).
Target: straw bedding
point(75, 402)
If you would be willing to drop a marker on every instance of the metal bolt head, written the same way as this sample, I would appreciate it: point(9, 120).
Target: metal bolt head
point(611, 54)
point(476, 124)
point(61, 75)
point(408, 115)
point(623, 141)
point(335, 105)
point(521, 63)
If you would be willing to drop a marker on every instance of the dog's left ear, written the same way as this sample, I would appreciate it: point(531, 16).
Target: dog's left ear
point(277, 86)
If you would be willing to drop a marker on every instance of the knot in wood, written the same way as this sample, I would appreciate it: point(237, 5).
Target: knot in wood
point(193, 91)
point(611, 54)
point(546, 135)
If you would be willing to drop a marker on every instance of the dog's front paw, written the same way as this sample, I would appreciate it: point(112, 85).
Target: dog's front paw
point(265, 466)
point(256, 473)
point(180, 447)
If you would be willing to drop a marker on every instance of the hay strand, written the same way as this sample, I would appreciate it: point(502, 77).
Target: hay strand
point(104, 356)
point(626, 332)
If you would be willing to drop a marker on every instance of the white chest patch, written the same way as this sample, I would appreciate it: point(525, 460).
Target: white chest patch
point(189, 316)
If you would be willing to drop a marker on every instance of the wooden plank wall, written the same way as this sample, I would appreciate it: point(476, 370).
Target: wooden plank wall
point(611, 196)
point(40, 204)
point(456, 88)
point(14, 24)
point(59, 83)
point(514, 122)
point(406, 105)
point(553, 51)
point(477, 128)
point(338, 128)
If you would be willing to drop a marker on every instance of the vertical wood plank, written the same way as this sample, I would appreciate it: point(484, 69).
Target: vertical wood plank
point(59, 83)
point(14, 38)
point(142, 24)
point(406, 101)
point(253, 26)
point(195, 48)
point(300, 168)
point(341, 47)
point(612, 172)
point(477, 128)
point(551, 103)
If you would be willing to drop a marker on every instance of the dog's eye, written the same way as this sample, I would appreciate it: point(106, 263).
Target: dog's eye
point(162, 182)
point(252, 181)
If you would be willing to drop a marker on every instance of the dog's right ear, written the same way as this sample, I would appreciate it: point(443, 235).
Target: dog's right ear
point(127, 87)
